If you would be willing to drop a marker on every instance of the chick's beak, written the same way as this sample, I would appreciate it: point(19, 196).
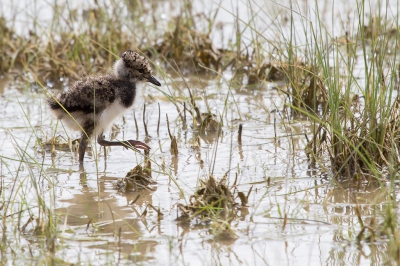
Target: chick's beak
point(154, 81)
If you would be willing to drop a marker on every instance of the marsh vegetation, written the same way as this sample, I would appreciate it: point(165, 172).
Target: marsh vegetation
point(275, 131)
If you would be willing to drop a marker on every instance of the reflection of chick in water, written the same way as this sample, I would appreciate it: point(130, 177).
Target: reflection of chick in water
point(112, 217)
point(105, 205)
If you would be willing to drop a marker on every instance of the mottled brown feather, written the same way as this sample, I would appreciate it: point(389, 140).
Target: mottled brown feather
point(94, 94)
point(94, 102)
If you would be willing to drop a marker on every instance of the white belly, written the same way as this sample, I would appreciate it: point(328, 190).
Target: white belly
point(106, 119)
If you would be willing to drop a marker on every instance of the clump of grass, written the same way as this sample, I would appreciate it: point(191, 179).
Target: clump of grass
point(362, 136)
point(63, 52)
point(87, 42)
point(7, 41)
point(138, 178)
point(78, 41)
point(215, 201)
point(307, 89)
point(187, 45)
point(356, 125)
point(205, 122)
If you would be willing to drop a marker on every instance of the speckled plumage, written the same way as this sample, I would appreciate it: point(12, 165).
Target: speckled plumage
point(95, 101)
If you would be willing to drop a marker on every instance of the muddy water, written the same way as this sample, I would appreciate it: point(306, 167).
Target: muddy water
point(321, 224)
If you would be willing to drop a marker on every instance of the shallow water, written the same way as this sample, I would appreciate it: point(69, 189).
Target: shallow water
point(99, 225)
point(321, 218)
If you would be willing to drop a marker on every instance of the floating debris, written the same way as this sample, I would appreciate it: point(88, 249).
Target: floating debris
point(215, 201)
point(58, 143)
point(136, 179)
point(209, 123)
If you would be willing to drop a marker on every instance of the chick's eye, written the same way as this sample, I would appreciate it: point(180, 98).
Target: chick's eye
point(141, 71)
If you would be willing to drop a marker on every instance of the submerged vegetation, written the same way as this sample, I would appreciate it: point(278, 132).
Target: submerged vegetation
point(217, 202)
point(342, 87)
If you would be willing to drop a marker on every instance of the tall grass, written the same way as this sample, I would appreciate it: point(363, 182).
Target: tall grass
point(28, 204)
point(355, 117)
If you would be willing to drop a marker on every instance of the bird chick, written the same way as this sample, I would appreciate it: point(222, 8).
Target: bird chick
point(93, 103)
